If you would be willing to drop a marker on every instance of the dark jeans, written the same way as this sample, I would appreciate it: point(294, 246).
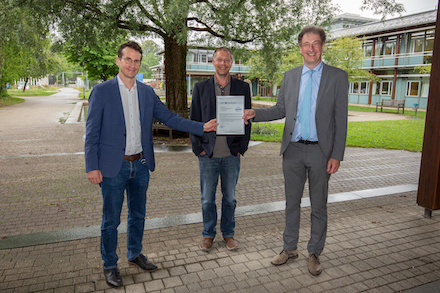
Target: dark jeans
point(210, 169)
point(133, 178)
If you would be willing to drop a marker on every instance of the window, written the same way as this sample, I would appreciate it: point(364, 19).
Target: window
point(425, 89)
point(364, 87)
point(368, 49)
point(429, 43)
point(378, 48)
point(376, 88)
point(417, 45)
point(190, 58)
point(417, 42)
point(200, 58)
point(412, 88)
point(359, 87)
point(386, 88)
point(354, 88)
point(389, 47)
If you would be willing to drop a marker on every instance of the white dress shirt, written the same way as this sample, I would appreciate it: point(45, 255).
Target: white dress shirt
point(130, 104)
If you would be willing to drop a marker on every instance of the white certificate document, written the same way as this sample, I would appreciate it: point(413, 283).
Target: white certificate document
point(230, 109)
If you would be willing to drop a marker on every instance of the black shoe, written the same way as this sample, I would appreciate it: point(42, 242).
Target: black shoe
point(143, 263)
point(113, 278)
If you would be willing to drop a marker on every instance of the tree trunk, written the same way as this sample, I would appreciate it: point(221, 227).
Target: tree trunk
point(175, 75)
point(25, 84)
point(428, 195)
point(3, 91)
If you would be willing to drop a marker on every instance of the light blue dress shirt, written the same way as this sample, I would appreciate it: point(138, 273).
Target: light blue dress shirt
point(316, 80)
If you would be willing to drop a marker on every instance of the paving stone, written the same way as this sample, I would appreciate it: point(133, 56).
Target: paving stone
point(135, 288)
point(154, 285)
point(190, 278)
point(172, 282)
point(207, 275)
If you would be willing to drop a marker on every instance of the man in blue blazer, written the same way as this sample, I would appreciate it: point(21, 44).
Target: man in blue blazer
point(314, 100)
point(119, 154)
point(219, 156)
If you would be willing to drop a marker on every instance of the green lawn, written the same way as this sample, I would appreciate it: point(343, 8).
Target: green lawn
point(81, 94)
point(12, 94)
point(31, 92)
point(388, 134)
point(8, 101)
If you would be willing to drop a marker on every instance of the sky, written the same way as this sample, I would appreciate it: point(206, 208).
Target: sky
point(411, 7)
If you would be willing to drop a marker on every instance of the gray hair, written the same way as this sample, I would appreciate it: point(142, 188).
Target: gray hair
point(317, 30)
point(226, 49)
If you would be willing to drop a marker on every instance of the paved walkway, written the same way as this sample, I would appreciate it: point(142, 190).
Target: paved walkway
point(378, 239)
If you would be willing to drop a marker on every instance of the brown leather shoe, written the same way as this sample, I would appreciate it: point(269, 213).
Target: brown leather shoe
point(284, 256)
point(206, 244)
point(231, 243)
point(315, 267)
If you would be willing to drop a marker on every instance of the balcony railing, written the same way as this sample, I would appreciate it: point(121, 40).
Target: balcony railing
point(237, 68)
point(403, 60)
point(158, 76)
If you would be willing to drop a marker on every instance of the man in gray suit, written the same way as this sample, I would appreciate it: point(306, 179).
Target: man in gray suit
point(314, 100)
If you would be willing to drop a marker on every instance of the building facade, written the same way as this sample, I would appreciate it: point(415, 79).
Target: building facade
point(395, 50)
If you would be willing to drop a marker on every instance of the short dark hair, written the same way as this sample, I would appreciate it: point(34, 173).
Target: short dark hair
point(317, 30)
point(130, 44)
point(226, 49)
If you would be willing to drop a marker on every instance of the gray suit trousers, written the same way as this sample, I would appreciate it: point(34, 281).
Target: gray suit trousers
point(300, 162)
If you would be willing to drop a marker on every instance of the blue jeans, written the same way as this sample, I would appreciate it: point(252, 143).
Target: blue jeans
point(210, 169)
point(133, 177)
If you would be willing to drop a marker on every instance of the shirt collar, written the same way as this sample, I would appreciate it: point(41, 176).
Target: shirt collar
point(121, 83)
point(217, 84)
point(318, 68)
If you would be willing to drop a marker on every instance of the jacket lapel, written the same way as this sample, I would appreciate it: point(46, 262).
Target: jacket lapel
point(211, 93)
point(294, 87)
point(118, 99)
point(141, 100)
point(322, 84)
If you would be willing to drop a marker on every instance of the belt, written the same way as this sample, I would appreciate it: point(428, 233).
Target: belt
point(307, 141)
point(133, 157)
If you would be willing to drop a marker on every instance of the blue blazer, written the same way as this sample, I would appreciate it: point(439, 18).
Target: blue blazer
point(105, 126)
point(203, 109)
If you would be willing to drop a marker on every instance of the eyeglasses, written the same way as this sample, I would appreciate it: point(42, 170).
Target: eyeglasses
point(314, 45)
point(220, 60)
point(129, 61)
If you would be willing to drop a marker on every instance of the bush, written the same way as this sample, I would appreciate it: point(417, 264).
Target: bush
point(264, 129)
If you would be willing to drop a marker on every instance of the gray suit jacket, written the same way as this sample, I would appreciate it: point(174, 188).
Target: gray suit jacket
point(331, 109)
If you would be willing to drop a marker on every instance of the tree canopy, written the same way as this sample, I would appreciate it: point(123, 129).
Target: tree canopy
point(263, 24)
point(98, 56)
